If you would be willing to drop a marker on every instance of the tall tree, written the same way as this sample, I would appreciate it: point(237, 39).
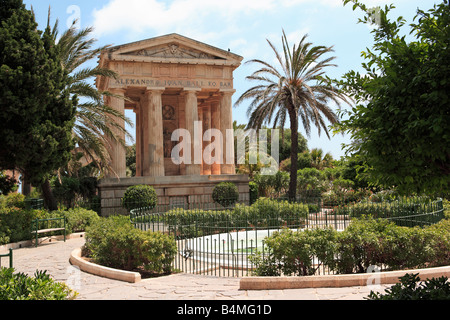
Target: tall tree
point(400, 125)
point(36, 111)
point(297, 90)
point(96, 123)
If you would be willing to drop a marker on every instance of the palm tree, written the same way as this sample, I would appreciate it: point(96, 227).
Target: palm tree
point(299, 90)
point(320, 160)
point(96, 122)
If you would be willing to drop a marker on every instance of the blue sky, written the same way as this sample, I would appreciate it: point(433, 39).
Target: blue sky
point(240, 25)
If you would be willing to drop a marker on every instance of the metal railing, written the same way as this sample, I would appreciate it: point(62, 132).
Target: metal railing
point(215, 240)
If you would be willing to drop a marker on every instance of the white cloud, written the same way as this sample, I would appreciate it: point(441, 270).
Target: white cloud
point(140, 15)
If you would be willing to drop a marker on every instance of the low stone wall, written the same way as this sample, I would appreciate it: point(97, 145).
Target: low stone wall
point(189, 191)
point(335, 281)
point(77, 260)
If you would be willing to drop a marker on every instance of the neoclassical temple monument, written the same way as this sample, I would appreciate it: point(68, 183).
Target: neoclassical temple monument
point(172, 82)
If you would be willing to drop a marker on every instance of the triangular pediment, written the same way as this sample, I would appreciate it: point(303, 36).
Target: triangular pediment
point(173, 47)
point(172, 50)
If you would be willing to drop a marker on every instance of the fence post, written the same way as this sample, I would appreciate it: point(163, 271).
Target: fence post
point(11, 258)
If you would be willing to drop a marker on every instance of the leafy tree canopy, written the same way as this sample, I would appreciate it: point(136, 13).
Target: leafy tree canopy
point(400, 123)
point(36, 113)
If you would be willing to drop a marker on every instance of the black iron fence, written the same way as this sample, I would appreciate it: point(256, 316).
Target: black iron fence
point(217, 240)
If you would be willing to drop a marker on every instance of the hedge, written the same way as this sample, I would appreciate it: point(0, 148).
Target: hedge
point(114, 242)
point(264, 213)
point(15, 219)
point(366, 242)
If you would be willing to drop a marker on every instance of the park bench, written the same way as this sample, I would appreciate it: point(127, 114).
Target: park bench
point(41, 226)
point(10, 255)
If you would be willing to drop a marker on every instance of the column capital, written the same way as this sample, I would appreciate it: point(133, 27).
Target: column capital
point(191, 90)
point(227, 91)
point(154, 90)
point(117, 90)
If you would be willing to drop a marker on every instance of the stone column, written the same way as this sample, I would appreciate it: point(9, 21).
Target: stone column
point(138, 140)
point(117, 151)
point(191, 114)
point(206, 122)
point(200, 118)
point(153, 148)
point(226, 122)
point(215, 124)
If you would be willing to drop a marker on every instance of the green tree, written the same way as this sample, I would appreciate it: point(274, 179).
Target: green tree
point(320, 160)
point(7, 184)
point(131, 160)
point(285, 143)
point(96, 123)
point(400, 124)
point(37, 112)
point(298, 90)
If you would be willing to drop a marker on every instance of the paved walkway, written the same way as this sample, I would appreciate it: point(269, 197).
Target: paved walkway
point(54, 257)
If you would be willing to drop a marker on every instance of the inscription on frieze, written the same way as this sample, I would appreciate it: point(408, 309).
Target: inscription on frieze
point(169, 83)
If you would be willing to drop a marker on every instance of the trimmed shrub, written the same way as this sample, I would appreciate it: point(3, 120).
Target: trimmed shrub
point(366, 242)
point(292, 252)
point(115, 243)
point(19, 286)
point(139, 196)
point(226, 194)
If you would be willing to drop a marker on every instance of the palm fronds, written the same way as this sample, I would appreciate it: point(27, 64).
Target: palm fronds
point(97, 124)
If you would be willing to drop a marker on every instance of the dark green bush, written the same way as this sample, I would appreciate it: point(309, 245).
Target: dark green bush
point(366, 242)
point(115, 243)
point(77, 218)
point(412, 288)
point(65, 190)
point(253, 193)
point(19, 286)
point(15, 223)
point(16, 200)
point(139, 196)
point(263, 213)
point(292, 252)
point(226, 194)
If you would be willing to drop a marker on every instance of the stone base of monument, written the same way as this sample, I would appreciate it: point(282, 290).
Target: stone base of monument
point(189, 192)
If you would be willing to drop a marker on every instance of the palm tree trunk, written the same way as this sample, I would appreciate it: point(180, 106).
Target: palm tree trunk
point(294, 154)
point(49, 199)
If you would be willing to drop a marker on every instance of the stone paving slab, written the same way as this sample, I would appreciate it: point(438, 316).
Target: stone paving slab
point(54, 257)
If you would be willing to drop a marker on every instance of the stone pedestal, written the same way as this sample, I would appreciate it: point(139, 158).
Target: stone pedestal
point(191, 192)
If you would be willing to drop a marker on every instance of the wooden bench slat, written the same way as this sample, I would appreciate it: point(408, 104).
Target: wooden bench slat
point(47, 230)
point(35, 227)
